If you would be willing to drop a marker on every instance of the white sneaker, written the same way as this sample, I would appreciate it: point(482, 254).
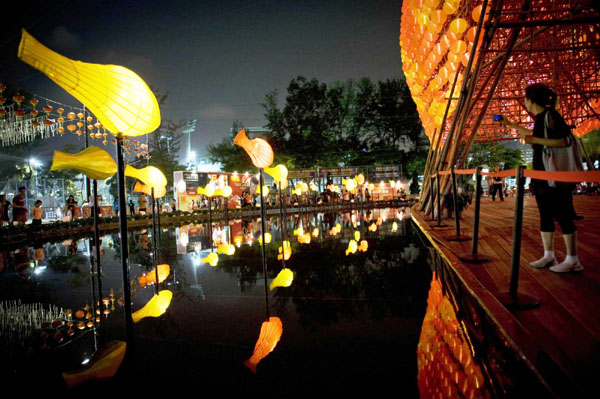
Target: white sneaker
point(544, 262)
point(567, 267)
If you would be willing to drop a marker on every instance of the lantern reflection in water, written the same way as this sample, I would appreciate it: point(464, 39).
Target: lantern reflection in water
point(150, 278)
point(445, 363)
point(155, 307)
point(283, 279)
point(270, 333)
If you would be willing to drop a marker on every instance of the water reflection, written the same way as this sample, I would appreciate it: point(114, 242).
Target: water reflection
point(359, 306)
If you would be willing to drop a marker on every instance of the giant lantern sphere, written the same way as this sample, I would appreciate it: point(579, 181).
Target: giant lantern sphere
point(260, 152)
point(117, 96)
point(93, 162)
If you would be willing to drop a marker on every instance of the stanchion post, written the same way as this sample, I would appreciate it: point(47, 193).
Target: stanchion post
point(432, 198)
point(439, 202)
point(474, 257)
point(514, 300)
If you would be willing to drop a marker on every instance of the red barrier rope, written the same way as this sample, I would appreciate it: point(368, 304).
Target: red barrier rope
point(443, 172)
point(504, 173)
point(465, 171)
point(571, 177)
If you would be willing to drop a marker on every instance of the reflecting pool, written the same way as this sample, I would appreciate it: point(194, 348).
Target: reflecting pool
point(347, 318)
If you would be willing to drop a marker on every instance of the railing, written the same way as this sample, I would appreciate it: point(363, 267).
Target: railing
point(513, 299)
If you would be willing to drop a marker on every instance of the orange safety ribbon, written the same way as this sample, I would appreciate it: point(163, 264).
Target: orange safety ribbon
point(504, 173)
point(571, 177)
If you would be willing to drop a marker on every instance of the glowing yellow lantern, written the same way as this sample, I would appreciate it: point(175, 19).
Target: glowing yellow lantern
point(304, 238)
point(237, 240)
point(94, 162)
point(364, 246)
point(284, 184)
point(260, 152)
point(212, 259)
point(458, 26)
point(150, 175)
point(227, 249)
point(371, 186)
point(338, 227)
point(209, 190)
point(278, 173)
point(357, 235)
point(223, 192)
point(102, 366)
point(299, 231)
point(270, 333)
point(283, 279)
point(352, 247)
point(265, 190)
point(150, 278)
point(114, 94)
point(155, 307)
point(267, 238)
point(315, 232)
point(159, 192)
point(394, 227)
point(373, 227)
point(286, 252)
point(360, 178)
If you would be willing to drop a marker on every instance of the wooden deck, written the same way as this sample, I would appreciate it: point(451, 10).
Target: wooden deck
point(560, 339)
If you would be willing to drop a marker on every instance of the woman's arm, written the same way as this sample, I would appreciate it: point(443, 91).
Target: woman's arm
point(555, 143)
point(515, 126)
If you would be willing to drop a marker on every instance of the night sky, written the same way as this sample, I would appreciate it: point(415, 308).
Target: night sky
point(216, 59)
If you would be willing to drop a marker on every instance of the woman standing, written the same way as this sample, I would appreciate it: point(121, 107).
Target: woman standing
point(554, 203)
point(71, 203)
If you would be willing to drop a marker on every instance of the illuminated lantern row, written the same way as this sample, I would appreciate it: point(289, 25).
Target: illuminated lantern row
point(150, 278)
point(285, 252)
point(446, 367)
point(436, 38)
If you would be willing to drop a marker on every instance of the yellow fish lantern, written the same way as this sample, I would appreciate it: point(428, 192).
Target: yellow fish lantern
point(150, 278)
point(94, 162)
point(313, 186)
point(286, 252)
point(360, 178)
point(265, 190)
point(102, 366)
point(260, 152)
point(357, 235)
point(338, 227)
point(223, 192)
point(315, 232)
point(270, 334)
point(350, 184)
point(283, 279)
point(352, 247)
point(237, 240)
point(364, 245)
point(299, 231)
point(209, 190)
point(284, 184)
point(304, 238)
point(227, 249)
point(394, 227)
point(159, 192)
point(150, 176)
point(379, 221)
point(212, 259)
point(298, 191)
point(155, 307)
point(117, 96)
point(267, 238)
point(373, 227)
point(333, 231)
point(278, 173)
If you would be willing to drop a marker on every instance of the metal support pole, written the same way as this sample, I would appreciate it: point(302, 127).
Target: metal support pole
point(124, 248)
point(154, 247)
point(458, 236)
point(97, 246)
point(263, 228)
point(439, 203)
point(514, 300)
point(474, 257)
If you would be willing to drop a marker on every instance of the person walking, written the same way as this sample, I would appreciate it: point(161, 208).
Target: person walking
point(19, 208)
point(131, 207)
point(554, 203)
point(497, 185)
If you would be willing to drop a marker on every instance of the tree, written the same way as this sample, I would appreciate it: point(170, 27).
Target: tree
point(492, 154)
